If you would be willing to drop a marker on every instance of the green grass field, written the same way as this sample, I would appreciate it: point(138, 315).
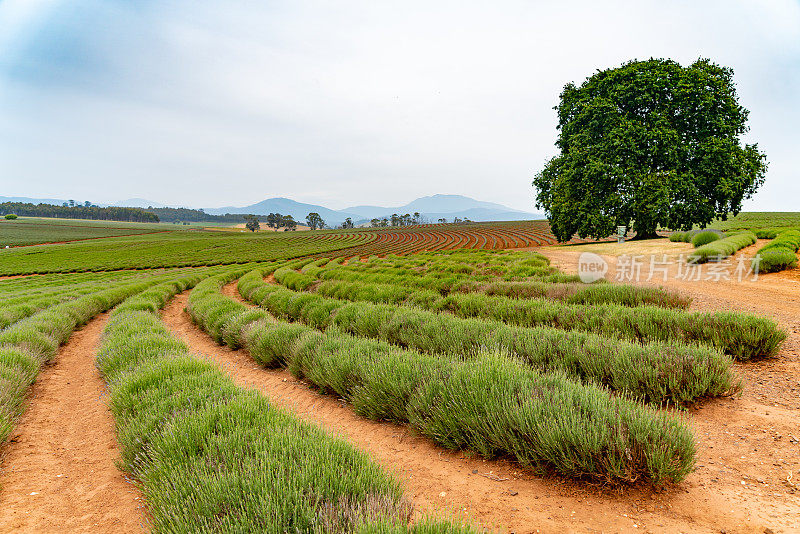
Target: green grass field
point(24, 231)
point(31, 231)
point(446, 331)
point(759, 220)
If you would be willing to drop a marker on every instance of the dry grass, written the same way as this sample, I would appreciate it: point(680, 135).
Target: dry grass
point(645, 247)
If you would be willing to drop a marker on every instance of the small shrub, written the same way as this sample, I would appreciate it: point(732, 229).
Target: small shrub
point(776, 259)
point(790, 239)
point(722, 248)
point(677, 237)
point(767, 233)
point(705, 237)
point(11, 216)
point(778, 254)
point(682, 237)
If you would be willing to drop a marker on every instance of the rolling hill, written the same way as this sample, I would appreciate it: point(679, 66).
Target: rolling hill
point(431, 208)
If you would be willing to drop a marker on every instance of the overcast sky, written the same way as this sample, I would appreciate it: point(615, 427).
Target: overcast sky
point(340, 103)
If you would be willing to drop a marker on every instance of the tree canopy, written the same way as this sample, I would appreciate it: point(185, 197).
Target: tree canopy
point(287, 222)
point(315, 221)
point(252, 223)
point(649, 144)
point(111, 213)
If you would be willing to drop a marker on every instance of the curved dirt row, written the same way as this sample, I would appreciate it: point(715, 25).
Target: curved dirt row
point(500, 495)
point(58, 472)
point(754, 440)
point(13, 276)
point(749, 447)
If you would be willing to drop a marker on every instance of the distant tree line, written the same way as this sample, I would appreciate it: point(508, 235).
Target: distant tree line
point(398, 220)
point(278, 221)
point(72, 204)
point(78, 212)
point(190, 215)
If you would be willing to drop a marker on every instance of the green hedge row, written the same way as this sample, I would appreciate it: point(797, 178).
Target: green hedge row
point(705, 237)
point(212, 457)
point(682, 237)
point(741, 335)
point(597, 293)
point(655, 372)
point(771, 233)
point(490, 403)
point(778, 254)
point(402, 289)
point(722, 248)
point(28, 344)
point(21, 300)
point(569, 292)
point(438, 270)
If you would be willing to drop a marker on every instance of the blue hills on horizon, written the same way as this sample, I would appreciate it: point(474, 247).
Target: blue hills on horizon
point(432, 208)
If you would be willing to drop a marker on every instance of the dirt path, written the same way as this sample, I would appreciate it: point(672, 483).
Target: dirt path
point(755, 438)
point(498, 494)
point(58, 472)
point(775, 295)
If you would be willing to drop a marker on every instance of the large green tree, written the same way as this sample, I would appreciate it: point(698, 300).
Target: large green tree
point(649, 144)
point(252, 223)
point(314, 220)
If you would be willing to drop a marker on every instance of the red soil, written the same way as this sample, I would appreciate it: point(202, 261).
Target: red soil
point(746, 452)
point(58, 471)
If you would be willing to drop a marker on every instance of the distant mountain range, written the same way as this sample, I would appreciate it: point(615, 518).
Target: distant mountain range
point(27, 200)
point(287, 206)
point(130, 203)
point(431, 208)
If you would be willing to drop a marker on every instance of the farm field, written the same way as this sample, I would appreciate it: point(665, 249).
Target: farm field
point(756, 220)
point(180, 248)
point(25, 231)
point(442, 378)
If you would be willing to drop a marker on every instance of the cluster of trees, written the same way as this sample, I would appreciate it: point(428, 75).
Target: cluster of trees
point(77, 211)
point(274, 220)
point(252, 223)
point(397, 220)
point(408, 220)
point(190, 215)
point(278, 221)
point(72, 204)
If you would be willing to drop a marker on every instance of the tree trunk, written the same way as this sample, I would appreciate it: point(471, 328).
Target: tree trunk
point(645, 234)
point(644, 231)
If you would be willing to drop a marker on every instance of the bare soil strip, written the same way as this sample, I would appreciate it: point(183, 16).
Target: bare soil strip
point(58, 473)
point(739, 486)
point(754, 440)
